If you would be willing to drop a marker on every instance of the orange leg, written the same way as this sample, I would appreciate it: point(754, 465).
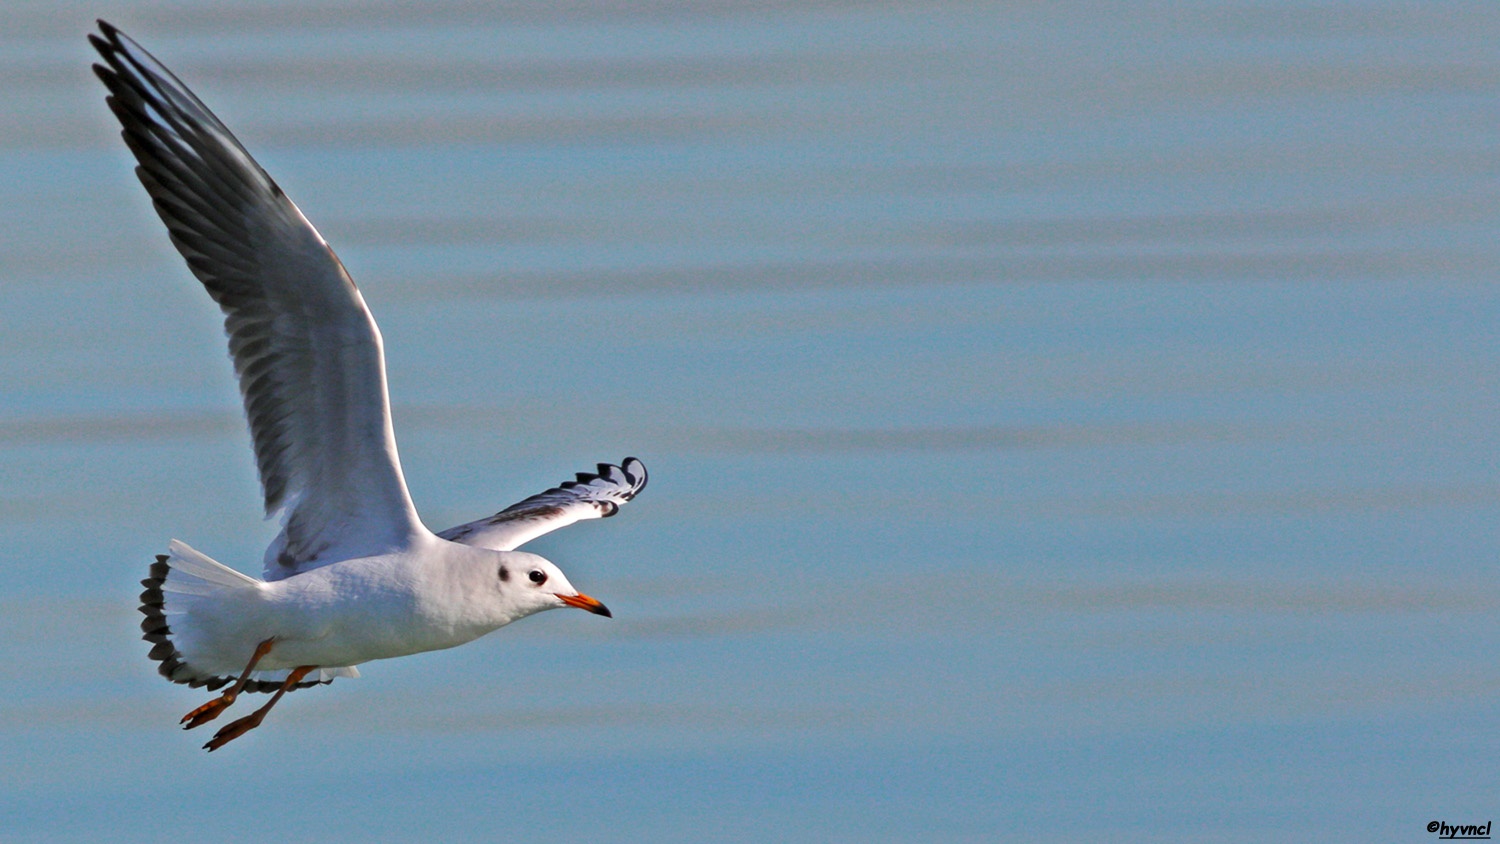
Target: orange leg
point(235, 729)
point(209, 711)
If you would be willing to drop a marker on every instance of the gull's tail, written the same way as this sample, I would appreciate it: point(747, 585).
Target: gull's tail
point(181, 580)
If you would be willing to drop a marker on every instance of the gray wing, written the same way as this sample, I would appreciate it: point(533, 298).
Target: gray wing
point(591, 496)
point(305, 348)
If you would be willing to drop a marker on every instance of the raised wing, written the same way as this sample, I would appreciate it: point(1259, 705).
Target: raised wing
point(595, 496)
point(305, 348)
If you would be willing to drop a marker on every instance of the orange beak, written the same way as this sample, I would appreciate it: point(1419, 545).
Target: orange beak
point(584, 602)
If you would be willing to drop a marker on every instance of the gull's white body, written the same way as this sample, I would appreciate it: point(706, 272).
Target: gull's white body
point(354, 575)
point(435, 595)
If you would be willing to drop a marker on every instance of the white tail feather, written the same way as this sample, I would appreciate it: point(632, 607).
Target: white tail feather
point(186, 589)
point(194, 565)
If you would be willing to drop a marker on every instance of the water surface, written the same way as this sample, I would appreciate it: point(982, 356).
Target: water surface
point(1064, 422)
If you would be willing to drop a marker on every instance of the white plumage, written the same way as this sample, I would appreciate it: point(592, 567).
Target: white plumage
point(354, 575)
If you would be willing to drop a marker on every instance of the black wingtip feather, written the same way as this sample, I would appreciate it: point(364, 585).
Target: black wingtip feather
point(635, 470)
point(156, 631)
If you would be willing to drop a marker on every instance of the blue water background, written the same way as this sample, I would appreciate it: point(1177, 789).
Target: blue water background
point(1066, 421)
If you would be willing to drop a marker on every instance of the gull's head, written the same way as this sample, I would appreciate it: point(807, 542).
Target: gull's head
point(533, 584)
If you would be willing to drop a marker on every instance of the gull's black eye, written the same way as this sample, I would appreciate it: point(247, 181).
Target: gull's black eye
point(504, 573)
point(538, 576)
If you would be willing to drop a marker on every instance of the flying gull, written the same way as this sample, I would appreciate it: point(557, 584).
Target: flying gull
point(354, 575)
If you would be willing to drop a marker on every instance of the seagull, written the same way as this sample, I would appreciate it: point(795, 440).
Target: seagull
point(354, 575)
